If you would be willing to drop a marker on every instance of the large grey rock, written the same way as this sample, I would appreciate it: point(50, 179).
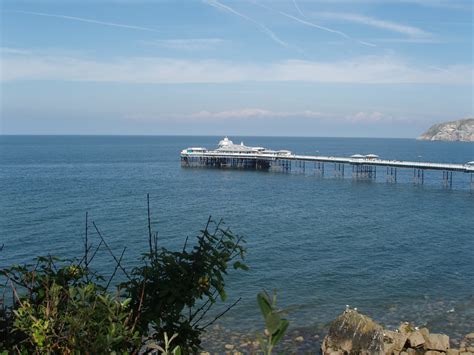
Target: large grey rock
point(438, 342)
point(416, 339)
point(354, 333)
point(394, 342)
point(460, 130)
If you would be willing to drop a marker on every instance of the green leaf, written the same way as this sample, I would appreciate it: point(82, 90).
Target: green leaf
point(126, 302)
point(272, 321)
point(280, 331)
point(239, 265)
point(264, 304)
point(222, 293)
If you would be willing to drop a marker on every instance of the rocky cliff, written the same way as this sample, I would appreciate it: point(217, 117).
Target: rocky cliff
point(460, 130)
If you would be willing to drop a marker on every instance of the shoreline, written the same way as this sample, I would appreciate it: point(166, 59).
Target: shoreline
point(301, 339)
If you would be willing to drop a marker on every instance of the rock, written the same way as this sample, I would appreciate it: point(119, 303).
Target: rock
point(465, 353)
point(425, 332)
point(452, 352)
point(394, 342)
point(405, 328)
point(460, 130)
point(470, 348)
point(416, 339)
point(470, 336)
point(229, 347)
point(431, 352)
point(411, 351)
point(244, 345)
point(353, 333)
point(439, 342)
point(300, 339)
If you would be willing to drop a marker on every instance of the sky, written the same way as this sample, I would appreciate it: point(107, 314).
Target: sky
point(337, 68)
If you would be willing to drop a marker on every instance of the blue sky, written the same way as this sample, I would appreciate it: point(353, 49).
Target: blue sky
point(364, 68)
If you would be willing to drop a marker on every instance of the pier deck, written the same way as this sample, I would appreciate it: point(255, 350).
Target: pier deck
point(343, 160)
point(229, 155)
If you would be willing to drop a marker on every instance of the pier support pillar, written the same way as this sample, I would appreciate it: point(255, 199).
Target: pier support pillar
point(418, 176)
point(391, 174)
point(339, 170)
point(319, 168)
point(363, 171)
point(448, 179)
point(300, 165)
point(285, 165)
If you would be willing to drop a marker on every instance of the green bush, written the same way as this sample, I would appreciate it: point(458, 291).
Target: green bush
point(62, 306)
point(173, 291)
point(57, 309)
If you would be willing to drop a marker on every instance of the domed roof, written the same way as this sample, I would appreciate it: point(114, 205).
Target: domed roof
point(225, 142)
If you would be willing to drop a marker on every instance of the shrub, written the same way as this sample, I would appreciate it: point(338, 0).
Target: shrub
point(173, 291)
point(62, 306)
point(57, 309)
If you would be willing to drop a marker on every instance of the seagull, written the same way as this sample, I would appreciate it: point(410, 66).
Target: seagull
point(355, 308)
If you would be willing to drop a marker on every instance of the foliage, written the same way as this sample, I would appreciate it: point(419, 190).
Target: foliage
point(167, 350)
point(60, 310)
point(275, 325)
point(173, 291)
point(62, 306)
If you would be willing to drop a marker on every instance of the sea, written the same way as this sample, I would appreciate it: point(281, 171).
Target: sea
point(396, 251)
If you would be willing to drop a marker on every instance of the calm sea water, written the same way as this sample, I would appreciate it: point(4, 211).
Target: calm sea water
point(395, 251)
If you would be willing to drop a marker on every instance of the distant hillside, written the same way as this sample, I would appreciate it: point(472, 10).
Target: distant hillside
point(460, 130)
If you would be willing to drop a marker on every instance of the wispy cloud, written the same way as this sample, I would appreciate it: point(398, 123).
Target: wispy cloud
point(9, 50)
point(368, 69)
point(368, 117)
point(365, 43)
point(312, 24)
point(81, 19)
point(188, 44)
point(253, 113)
point(408, 40)
point(373, 22)
point(447, 4)
point(298, 8)
point(237, 114)
point(264, 29)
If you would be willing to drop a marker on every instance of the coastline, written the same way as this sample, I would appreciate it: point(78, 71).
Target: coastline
point(306, 339)
point(297, 340)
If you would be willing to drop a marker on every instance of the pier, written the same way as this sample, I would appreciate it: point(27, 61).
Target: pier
point(234, 156)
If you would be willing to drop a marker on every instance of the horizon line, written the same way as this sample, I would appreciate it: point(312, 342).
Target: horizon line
point(186, 135)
